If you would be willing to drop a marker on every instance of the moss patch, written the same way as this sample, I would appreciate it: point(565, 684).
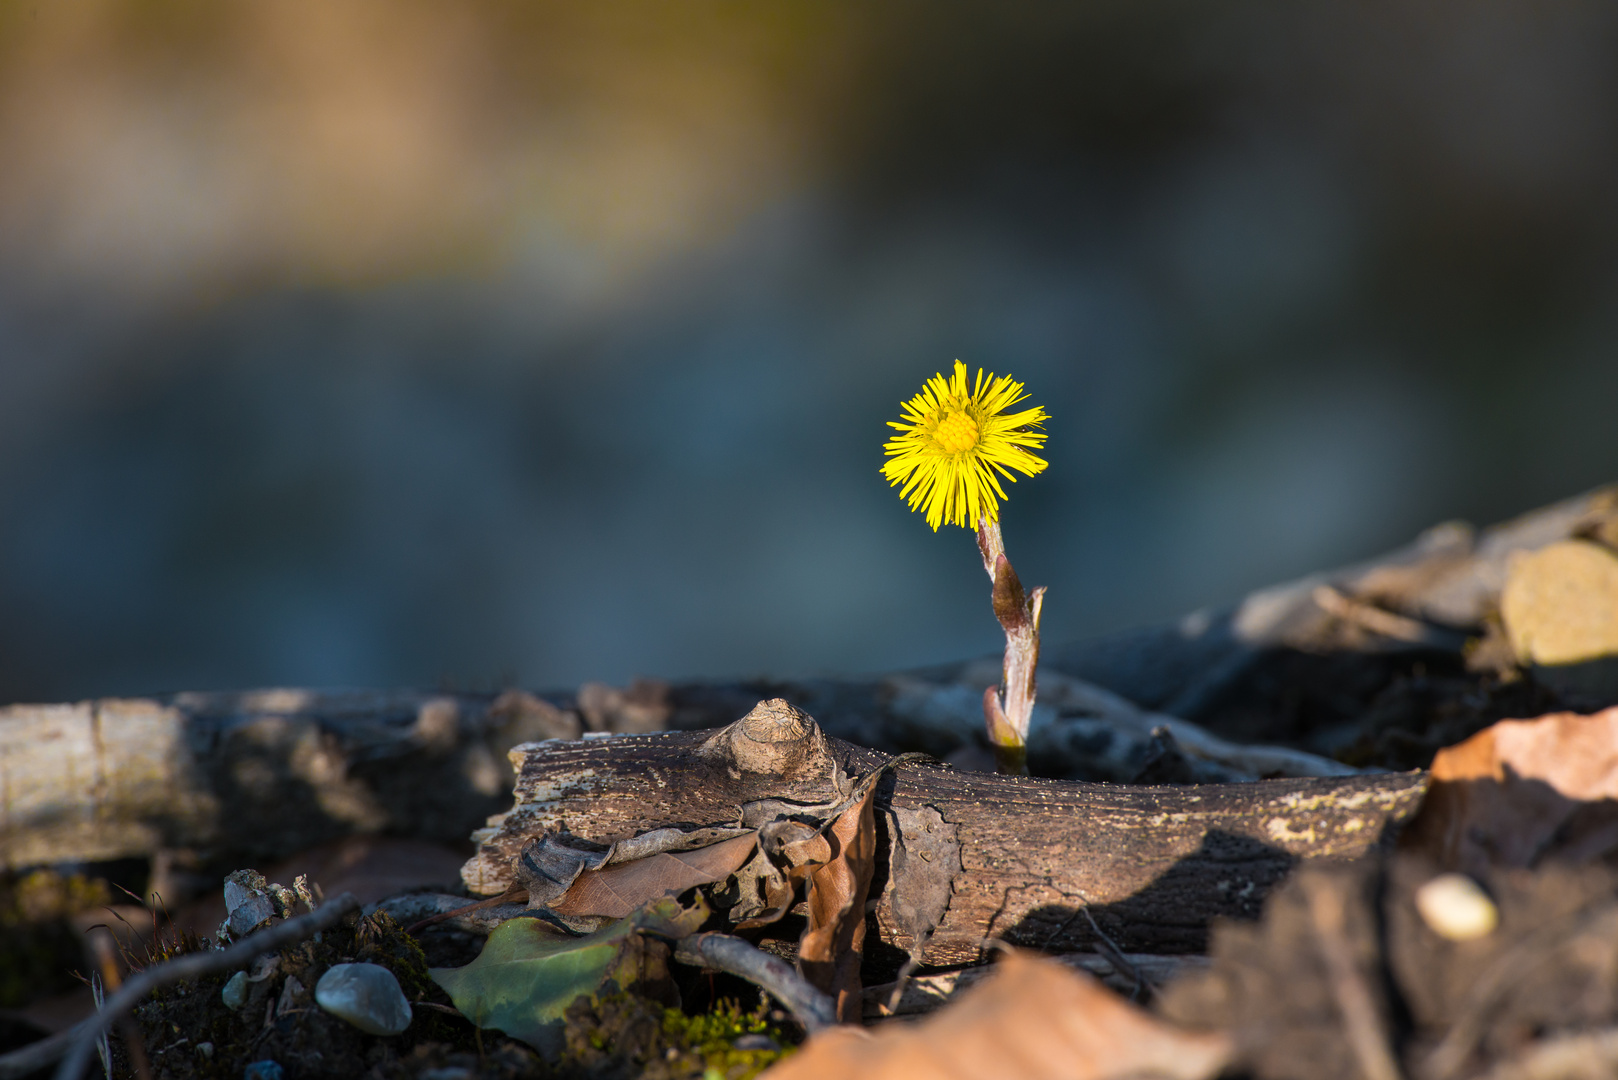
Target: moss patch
point(620, 1037)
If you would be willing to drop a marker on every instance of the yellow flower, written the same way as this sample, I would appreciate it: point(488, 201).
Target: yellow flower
point(952, 443)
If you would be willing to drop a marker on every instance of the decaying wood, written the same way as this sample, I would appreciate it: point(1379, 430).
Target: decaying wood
point(1153, 864)
point(261, 775)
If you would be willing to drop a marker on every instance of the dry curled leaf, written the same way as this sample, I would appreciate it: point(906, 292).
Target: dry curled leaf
point(1522, 790)
point(833, 944)
point(923, 862)
point(1032, 1019)
point(615, 891)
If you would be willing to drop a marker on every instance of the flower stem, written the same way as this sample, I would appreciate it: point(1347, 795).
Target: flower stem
point(1007, 708)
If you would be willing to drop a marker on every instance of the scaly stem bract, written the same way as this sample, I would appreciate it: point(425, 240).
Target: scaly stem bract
point(1008, 707)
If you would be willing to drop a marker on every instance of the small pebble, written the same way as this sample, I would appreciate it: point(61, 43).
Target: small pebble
point(366, 995)
point(1455, 907)
point(205, 1049)
point(756, 1041)
point(234, 994)
point(264, 1070)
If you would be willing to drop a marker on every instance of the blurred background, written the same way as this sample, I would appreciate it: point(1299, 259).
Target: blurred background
point(465, 345)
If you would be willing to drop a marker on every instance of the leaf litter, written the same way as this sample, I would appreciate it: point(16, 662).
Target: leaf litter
point(833, 943)
point(1349, 973)
point(1360, 970)
point(1032, 1019)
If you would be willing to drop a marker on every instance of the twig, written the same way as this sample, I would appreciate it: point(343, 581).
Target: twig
point(1115, 956)
point(1589, 1053)
point(927, 992)
point(515, 894)
point(812, 1008)
point(36, 1055)
point(190, 966)
point(1386, 623)
point(1363, 1026)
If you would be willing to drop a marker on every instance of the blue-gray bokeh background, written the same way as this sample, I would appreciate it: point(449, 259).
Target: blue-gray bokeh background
point(418, 344)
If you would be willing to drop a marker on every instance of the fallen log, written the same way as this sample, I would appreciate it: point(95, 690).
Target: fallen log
point(1014, 858)
point(252, 777)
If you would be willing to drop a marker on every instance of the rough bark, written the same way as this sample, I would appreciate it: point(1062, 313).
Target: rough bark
point(1153, 864)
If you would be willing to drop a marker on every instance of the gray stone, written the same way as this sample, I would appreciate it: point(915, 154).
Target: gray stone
point(366, 995)
point(247, 901)
point(234, 994)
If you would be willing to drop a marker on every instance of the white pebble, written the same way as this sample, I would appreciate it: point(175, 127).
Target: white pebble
point(366, 995)
point(1457, 908)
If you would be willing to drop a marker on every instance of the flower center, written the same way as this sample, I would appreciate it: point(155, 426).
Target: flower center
point(956, 432)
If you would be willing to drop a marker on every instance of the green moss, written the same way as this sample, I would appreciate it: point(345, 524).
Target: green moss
point(711, 1037)
point(622, 1036)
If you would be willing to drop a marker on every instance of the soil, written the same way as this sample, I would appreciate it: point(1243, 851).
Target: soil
point(614, 1038)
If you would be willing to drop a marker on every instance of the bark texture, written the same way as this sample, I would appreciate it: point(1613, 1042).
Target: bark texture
point(1153, 864)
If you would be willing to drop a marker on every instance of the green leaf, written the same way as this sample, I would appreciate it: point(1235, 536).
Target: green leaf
point(527, 974)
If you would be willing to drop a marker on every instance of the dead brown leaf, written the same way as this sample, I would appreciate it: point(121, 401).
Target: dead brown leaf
point(615, 891)
point(833, 944)
point(1033, 1019)
point(789, 852)
point(1521, 790)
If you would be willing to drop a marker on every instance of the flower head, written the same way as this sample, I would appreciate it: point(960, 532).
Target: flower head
point(955, 444)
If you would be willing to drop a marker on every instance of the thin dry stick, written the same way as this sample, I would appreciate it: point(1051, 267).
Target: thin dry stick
point(1364, 1027)
point(1122, 964)
point(1379, 621)
point(1564, 1057)
point(189, 966)
point(722, 952)
point(510, 896)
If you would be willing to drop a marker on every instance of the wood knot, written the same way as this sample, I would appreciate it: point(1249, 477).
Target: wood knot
point(776, 721)
point(776, 738)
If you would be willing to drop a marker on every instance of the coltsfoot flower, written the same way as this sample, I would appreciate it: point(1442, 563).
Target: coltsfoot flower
point(954, 446)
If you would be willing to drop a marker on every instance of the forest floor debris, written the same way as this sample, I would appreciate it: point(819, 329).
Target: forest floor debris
point(1481, 945)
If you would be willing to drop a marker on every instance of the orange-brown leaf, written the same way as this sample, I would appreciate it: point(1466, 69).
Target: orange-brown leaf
point(1515, 790)
point(615, 891)
point(1032, 1019)
point(832, 946)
